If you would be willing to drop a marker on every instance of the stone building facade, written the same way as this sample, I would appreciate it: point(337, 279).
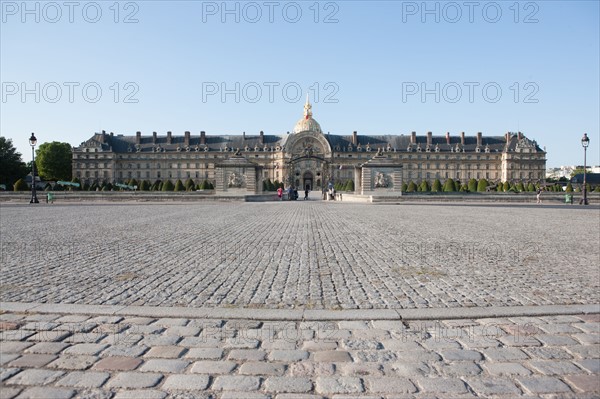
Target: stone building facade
point(308, 157)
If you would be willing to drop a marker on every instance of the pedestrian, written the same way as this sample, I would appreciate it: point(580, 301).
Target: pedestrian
point(306, 192)
point(539, 196)
point(280, 193)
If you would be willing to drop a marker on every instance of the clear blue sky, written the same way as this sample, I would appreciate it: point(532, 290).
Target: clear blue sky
point(369, 64)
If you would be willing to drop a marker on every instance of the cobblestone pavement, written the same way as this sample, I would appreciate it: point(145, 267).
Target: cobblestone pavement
point(51, 355)
point(304, 254)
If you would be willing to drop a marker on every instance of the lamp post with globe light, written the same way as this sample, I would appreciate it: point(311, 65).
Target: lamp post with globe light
point(32, 143)
point(585, 142)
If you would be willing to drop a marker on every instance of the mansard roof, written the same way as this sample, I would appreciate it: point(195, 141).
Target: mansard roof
point(122, 144)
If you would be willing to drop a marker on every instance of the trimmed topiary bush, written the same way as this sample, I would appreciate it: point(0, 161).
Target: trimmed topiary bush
point(167, 185)
point(189, 185)
point(472, 185)
point(404, 187)
point(449, 186)
point(412, 187)
point(520, 187)
point(437, 186)
point(506, 186)
point(179, 186)
point(350, 185)
point(425, 187)
point(530, 187)
point(144, 185)
point(482, 185)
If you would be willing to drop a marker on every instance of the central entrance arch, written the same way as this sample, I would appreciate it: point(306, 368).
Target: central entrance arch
point(307, 179)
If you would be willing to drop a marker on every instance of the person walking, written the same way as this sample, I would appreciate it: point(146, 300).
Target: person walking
point(306, 192)
point(539, 196)
point(280, 193)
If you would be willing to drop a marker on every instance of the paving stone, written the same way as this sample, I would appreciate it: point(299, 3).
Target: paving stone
point(541, 385)
point(332, 356)
point(374, 356)
point(587, 339)
point(46, 393)
point(401, 346)
point(186, 382)
point(182, 331)
point(141, 393)
point(34, 377)
point(247, 354)
point(319, 346)
point(504, 354)
point(287, 355)
point(584, 383)
point(288, 384)
point(442, 385)
point(166, 352)
point(85, 349)
point(459, 369)
point(9, 393)
point(409, 369)
point(331, 385)
point(556, 340)
point(84, 379)
point(262, 368)
point(134, 380)
point(6, 373)
point(200, 342)
point(298, 396)
point(204, 353)
point(50, 348)
point(308, 369)
point(105, 319)
point(389, 385)
point(117, 363)
point(14, 346)
point(32, 360)
point(171, 366)
point(279, 344)
point(554, 367)
point(73, 362)
point(8, 357)
point(241, 343)
point(361, 369)
point(487, 387)
point(74, 318)
point(213, 367)
point(125, 351)
point(244, 395)
point(460, 354)
point(353, 344)
point(160, 340)
point(235, 383)
point(506, 369)
point(548, 352)
point(585, 351)
point(49, 336)
point(590, 365)
point(169, 322)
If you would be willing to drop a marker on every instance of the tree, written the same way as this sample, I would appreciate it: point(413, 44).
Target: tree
point(412, 187)
point(482, 185)
point(189, 185)
point(167, 186)
point(472, 185)
point(506, 186)
point(449, 186)
point(425, 186)
point(20, 185)
point(579, 171)
point(54, 161)
point(12, 167)
point(179, 186)
point(437, 186)
point(350, 185)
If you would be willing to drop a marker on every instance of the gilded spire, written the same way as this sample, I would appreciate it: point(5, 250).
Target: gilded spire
point(307, 109)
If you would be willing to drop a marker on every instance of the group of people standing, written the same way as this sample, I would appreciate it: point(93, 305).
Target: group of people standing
point(292, 193)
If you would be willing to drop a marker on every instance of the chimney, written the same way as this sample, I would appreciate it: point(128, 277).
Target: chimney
point(111, 134)
point(520, 136)
point(479, 139)
point(104, 132)
point(507, 135)
point(262, 137)
point(186, 140)
point(428, 138)
point(355, 137)
point(448, 138)
point(413, 138)
point(153, 137)
point(169, 137)
point(243, 135)
point(462, 138)
point(203, 137)
point(138, 137)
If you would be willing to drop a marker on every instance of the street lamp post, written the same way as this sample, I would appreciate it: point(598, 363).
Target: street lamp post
point(32, 143)
point(585, 141)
